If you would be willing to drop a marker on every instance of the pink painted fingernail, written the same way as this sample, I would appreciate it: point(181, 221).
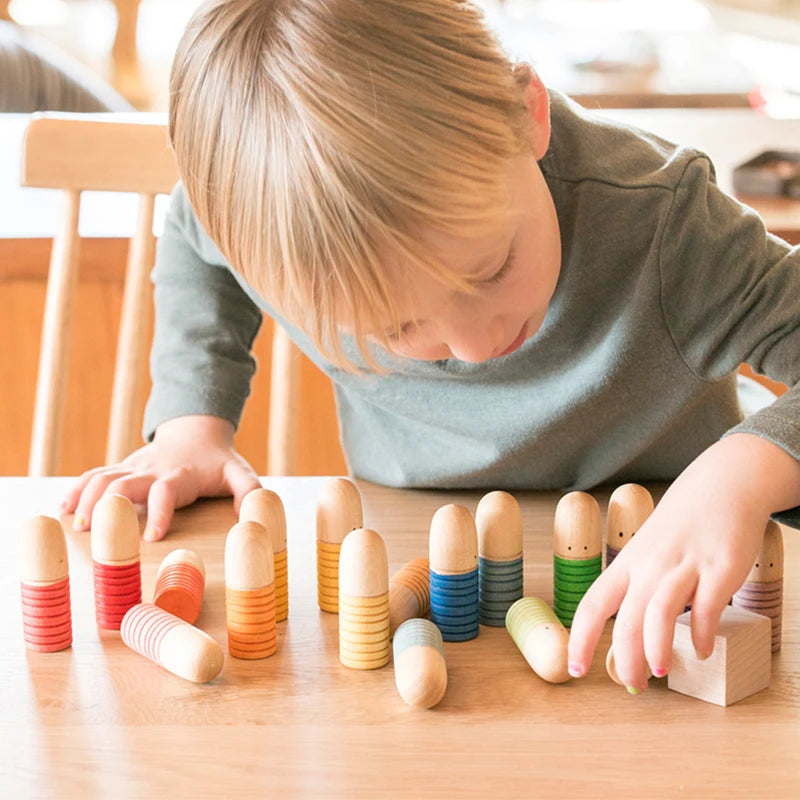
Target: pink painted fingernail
point(575, 669)
point(659, 673)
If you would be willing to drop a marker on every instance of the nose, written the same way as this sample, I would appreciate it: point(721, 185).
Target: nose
point(472, 338)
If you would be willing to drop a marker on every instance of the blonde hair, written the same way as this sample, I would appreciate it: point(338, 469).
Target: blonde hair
point(313, 138)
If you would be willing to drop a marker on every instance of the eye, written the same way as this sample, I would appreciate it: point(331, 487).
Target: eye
point(398, 336)
point(504, 270)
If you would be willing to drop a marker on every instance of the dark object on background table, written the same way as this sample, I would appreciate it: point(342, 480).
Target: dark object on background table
point(773, 172)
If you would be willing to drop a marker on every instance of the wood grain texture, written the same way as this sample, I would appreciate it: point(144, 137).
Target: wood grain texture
point(499, 527)
point(59, 313)
point(577, 527)
point(739, 666)
point(133, 342)
point(92, 363)
point(453, 541)
point(89, 155)
point(119, 153)
point(98, 721)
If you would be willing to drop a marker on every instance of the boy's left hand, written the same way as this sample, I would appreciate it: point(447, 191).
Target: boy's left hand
point(696, 548)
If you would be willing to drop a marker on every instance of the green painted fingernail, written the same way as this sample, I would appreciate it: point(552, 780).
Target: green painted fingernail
point(703, 656)
point(633, 690)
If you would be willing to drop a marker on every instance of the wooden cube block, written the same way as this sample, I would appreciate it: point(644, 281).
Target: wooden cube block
point(739, 666)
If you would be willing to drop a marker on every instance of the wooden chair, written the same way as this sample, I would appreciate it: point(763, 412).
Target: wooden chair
point(119, 153)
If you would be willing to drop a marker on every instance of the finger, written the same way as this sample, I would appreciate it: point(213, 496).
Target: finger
point(666, 604)
point(135, 487)
point(601, 600)
point(70, 500)
point(94, 490)
point(241, 481)
point(710, 599)
point(628, 642)
point(161, 502)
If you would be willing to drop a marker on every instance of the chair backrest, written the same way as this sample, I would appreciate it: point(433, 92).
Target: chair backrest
point(118, 153)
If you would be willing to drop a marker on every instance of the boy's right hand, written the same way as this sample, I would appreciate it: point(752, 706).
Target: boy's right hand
point(189, 457)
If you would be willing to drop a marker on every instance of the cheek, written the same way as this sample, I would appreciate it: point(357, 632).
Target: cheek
point(426, 352)
point(420, 349)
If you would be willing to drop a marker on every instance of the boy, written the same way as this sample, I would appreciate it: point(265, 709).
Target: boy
point(506, 291)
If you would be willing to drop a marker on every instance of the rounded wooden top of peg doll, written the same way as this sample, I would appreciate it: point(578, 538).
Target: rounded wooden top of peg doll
point(628, 507)
point(183, 556)
point(769, 562)
point(577, 527)
point(611, 668)
point(420, 674)
point(545, 649)
point(363, 565)
point(339, 510)
point(115, 530)
point(43, 553)
point(190, 653)
point(499, 523)
point(266, 508)
point(453, 541)
point(248, 557)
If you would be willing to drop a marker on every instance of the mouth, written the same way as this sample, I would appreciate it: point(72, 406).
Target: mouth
point(516, 344)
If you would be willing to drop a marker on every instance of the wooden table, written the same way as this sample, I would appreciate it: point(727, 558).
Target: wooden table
point(100, 721)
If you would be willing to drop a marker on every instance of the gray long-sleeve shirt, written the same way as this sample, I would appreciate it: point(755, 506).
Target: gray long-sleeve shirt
point(666, 286)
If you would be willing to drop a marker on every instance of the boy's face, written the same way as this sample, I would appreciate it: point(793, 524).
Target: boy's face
point(515, 271)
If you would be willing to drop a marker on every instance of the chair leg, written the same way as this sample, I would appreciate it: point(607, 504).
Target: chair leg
point(124, 52)
point(62, 286)
point(283, 402)
point(124, 426)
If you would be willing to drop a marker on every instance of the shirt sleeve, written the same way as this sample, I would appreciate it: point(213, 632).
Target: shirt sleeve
point(730, 293)
point(205, 324)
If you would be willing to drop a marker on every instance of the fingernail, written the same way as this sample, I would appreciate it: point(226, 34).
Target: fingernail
point(633, 690)
point(703, 656)
point(575, 669)
point(150, 534)
point(80, 521)
point(63, 505)
point(659, 673)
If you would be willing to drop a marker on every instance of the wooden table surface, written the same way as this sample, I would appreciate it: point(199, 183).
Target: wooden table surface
point(100, 721)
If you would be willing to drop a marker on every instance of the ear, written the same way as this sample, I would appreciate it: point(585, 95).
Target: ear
point(538, 102)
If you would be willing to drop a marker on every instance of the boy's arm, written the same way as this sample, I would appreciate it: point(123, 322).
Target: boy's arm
point(729, 293)
point(695, 548)
point(205, 325)
point(201, 367)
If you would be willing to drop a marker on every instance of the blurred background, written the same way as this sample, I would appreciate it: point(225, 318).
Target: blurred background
point(606, 53)
point(721, 75)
